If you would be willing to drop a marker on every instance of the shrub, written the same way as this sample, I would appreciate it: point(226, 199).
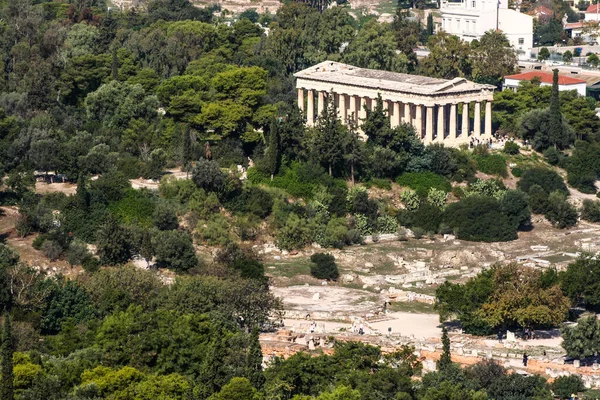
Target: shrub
point(560, 212)
point(208, 176)
point(253, 200)
point(549, 180)
point(323, 266)
point(410, 199)
point(165, 217)
point(591, 211)
point(418, 232)
point(174, 250)
point(214, 231)
point(51, 249)
point(295, 234)
point(553, 156)
point(492, 164)
point(538, 199)
point(421, 182)
point(136, 207)
point(517, 172)
point(387, 224)
point(480, 219)
point(384, 184)
point(361, 224)
point(437, 197)
point(78, 253)
point(511, 148)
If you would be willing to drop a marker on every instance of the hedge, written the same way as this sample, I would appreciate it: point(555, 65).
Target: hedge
point(421, 182)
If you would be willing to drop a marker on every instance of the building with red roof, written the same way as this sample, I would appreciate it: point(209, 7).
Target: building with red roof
point(592, 12)
point(564, 82)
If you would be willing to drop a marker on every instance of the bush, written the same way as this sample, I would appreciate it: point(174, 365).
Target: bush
point(492, 164)
point(207, 175)
point(387, 224)
point(418, 232)
point(174, 250)
point(437, 198)
point(591, 211)
point(560, 212)
point(51, 249)
point(421, 182)
point(214, 231)
point(564, 386)
point(136, 207)
point(547, 179)
point(517, 172)
point(511, 148)
point(323, 266)
point(553, 156)
point(479, 218)
point(295, 234)
point(384, 184)
point(78, 253)
point(538, 199)
point(165, 217)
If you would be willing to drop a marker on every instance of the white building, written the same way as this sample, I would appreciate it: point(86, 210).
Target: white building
point(470, 19)
point(564, 82)
point(593, 13)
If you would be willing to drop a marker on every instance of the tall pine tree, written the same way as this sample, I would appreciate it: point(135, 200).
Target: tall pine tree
point(329, 137)
point(445, 359)
point(254, 360)
point(273, 153)
point(555, 134)
point(6, 389)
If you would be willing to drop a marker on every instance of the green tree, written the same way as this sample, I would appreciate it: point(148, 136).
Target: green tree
point(555, 130)
point(543, 54)
point(567, 56)
point(374, 47)
point(237, 388)
point(174, 250)
point(273, 153)
point(165, 217)
point(579, 281)
point(593, 60)
point(323, 266)
point(564, 386)
point(448, 57)
point(114, 244)
point(328, 143)
point(445, 359)
point(560, 212)
point(493, 59)
point(6, 388)
point(146, 247)
point(207, 175)
point(583, 339)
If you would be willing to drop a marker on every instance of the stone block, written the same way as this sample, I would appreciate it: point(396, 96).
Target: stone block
point(576, 363)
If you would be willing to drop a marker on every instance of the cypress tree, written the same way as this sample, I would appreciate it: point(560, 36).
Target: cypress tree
point(6, 390)
point(83, 195)
point(115, 64)
point(445, 359)
point(254, 371)
point(273, 153)
point(555, 132)
point(430, 25)
point(188, 149)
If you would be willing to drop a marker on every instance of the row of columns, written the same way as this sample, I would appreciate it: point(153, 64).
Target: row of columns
point(432, 123)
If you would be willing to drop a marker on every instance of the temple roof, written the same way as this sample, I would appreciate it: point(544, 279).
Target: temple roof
point(335, 72)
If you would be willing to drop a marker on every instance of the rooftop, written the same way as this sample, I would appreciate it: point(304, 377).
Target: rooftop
point(335, 72)
point(593, 8)
point(545, 77)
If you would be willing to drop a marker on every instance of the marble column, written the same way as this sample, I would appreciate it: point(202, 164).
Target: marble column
point(362, 113)
point(407, 114)
point(477, 120)
point(353, 113)
point(418, 121)
point(321, 105)
point(465, 121)
point(488, 119)
point(441, 124)
point(396, 114)
point(301, 99)
point(342, 111)
point(429, 125)
point(310, 113)
point(373, 104)
point(452, 134)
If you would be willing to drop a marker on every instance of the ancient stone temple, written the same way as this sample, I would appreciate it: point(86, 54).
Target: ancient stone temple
point(431, 105)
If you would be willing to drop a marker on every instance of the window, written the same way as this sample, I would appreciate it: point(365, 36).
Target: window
point(473, 4)
point(521, 40)
point(458, 25)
